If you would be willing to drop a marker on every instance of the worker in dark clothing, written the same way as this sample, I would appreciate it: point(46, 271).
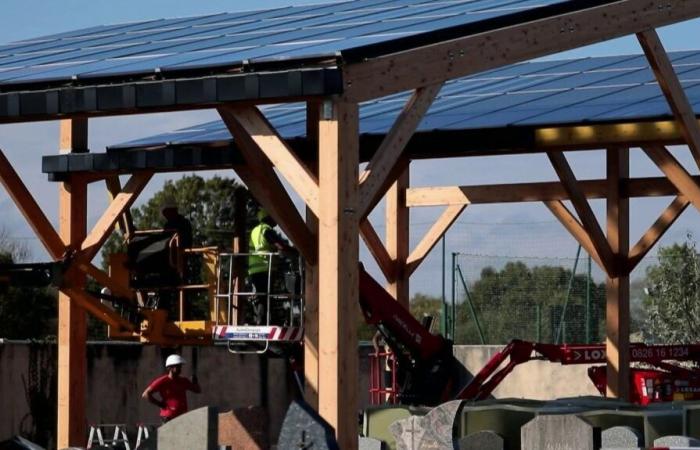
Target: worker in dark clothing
point(172, 389)
point(177, 222)
point(263, 266)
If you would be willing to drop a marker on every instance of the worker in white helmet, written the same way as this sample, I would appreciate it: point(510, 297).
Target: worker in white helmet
point(172, 389)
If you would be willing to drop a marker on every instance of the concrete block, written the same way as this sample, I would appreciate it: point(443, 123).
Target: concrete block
point(435, 430)
point(482, 440)
point(621, 437)
point(677, 441)
point(367, 443)
point(195, 430)
point(304, 428)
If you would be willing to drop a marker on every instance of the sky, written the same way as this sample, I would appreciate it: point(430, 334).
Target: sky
point(498, 232)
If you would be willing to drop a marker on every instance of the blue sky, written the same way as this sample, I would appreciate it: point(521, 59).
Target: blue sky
point(524, 230)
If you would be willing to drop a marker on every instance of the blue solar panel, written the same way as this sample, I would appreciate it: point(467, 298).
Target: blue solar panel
point(233, 39)
point(604, 89)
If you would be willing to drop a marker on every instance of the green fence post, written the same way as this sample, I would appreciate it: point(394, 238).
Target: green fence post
point(566, 300)
point(588, 303)
point(471, 306)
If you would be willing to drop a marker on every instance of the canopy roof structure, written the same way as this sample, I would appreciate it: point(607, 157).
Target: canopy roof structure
point(382, 81)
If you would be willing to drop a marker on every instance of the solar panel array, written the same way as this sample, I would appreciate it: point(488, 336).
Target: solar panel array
point(595, 90)
point(245, 38)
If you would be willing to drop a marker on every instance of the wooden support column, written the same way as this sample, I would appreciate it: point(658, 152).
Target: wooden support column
point(338, 268)
point(311, 319)
point(397, 242)
point(617, 318)
point(72, 319)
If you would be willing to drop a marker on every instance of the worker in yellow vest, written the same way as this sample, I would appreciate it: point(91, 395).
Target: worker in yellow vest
point(265, 246)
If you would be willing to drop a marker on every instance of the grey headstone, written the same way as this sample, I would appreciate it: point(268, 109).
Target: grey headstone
point(482, 440)
point(621, 437)
point(435, 430)
point(561, 432)
point(195, 430)
point(676, 441)
point(367, 443)
point(304, 428)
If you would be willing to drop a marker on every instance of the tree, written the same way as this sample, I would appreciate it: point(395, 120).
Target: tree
point(528, 303)
point(25, 312)
point(672, 300)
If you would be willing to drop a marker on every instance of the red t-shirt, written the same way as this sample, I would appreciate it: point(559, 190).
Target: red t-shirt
point(173, 391)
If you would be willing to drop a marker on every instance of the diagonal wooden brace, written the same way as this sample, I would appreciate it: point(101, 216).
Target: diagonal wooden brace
point(441, 225)
point(30, 209)
point(675, 173)
point(97, 309)
point(377, 249)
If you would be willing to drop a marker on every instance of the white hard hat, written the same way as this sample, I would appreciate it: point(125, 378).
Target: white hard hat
point(174, 360)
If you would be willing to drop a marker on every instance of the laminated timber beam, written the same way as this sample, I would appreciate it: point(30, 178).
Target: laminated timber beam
point(72, 320)
point(654, 233)
point(376, 177)
point(672, 89)
point(676, 174)
point(125, 223)
point(377, 249)
point(573, 226)
point(583, 209)
point(259, 176)
point(444, 222)
point(535, 192)
point(398, 239)
point(338, 252)
point(430, 64)
point(617, 312)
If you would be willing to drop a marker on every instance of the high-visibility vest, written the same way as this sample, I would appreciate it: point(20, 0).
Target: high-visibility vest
point(258, 244)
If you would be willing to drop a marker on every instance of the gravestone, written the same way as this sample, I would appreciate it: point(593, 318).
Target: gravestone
point(435, 430)
point(676, 441)
point(561, 432)
point(621, 437)
point(304, 428)
point(367, 443)
point(481, 440)
point(244, 428)
point(195, 430)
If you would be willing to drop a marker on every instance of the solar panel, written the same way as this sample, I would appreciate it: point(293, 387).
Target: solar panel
point(231, 40)
point(601, 89)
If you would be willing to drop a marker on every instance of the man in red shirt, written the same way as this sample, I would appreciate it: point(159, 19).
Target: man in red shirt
point(172, 389)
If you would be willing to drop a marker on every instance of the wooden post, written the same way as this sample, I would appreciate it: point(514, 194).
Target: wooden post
point(311, 320)
point(72, 320)
point(338, 269)
point(617, 319)
point(397, 242)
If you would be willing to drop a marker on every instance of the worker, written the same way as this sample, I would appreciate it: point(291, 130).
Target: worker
point(264, 241)
point(172, 389)
point(176, 222)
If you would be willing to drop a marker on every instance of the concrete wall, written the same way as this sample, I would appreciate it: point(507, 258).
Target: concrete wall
point(119, 372)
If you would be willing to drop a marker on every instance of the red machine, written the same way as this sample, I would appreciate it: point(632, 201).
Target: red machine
point(427, 372)
point(667, 381)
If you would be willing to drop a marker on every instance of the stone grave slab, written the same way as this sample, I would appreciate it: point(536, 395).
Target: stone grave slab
point(435, 430)
point(304, 428)
point(195, 430)
point(482, 440)
point(244, 428)
point(677, 441)
point(561, 432)
point(621, 437)
point(367, 443)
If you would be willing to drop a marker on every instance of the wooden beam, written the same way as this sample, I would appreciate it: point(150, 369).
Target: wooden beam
point(29, 208)
point(430, 64)
point(535, 192)
point(72, 320)
point(101, 312)
point(431, 238)
point(311, 319)
point(125, 222)
point(105, 280)
point(672, 89)
point(338, 269)
point(249, 121)
point(104, 226)
point(262, 181)
point(398, 239)
point(377, 249)
point(617, 316)
point(571, 223)
point(675, 172)
point(654, 233)
point(73, 135)
point(583, 209)
point(391, 148)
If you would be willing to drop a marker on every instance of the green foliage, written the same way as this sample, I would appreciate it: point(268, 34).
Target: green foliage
point(527, 303)
point(672, 301)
